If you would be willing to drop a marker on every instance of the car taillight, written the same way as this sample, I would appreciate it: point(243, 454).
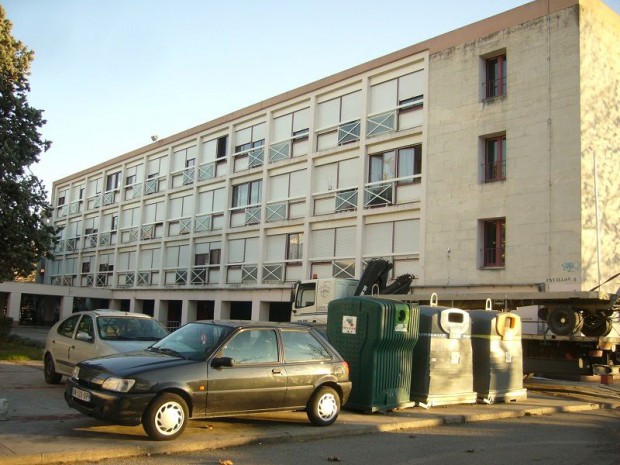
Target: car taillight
point(343, 368)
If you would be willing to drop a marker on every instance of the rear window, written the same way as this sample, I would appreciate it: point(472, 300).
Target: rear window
point(303, 346)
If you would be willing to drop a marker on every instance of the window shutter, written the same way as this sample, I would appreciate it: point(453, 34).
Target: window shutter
point(251, 250)
point(411, 85)
point(407, 236)
point(345, 242)
point(378, 241)
point(278, 187)
point(236, 250)
point(383, 97)
point(351, 107)
point(322, 244)
point(276, 248)
point(282, 128)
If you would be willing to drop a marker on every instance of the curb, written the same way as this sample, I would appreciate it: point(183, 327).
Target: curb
point(179, 446)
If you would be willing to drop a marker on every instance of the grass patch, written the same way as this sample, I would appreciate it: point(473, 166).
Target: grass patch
point(16, 349)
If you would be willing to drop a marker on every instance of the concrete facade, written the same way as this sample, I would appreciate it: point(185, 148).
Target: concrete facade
point(387, 159)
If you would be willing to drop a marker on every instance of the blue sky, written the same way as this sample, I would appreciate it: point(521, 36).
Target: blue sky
point(109, 74)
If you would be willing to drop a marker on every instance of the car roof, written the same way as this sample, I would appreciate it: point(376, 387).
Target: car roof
point(115, 313)
point(254, 324)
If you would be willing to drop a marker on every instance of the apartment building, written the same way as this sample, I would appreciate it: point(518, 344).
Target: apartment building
point(483, 158)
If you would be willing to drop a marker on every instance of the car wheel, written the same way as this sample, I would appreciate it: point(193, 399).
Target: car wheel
point(166, 417)
point(323, 407)
point(49, 371)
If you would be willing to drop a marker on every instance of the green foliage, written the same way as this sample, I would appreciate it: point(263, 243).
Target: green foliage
point(24, 234)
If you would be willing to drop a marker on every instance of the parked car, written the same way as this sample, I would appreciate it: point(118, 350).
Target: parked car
point(214, 369)
point(96, 333)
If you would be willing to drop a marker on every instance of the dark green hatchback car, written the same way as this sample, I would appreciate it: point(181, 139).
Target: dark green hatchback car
point(214, 369)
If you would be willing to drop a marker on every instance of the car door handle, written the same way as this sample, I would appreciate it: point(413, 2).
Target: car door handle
point(276, 371)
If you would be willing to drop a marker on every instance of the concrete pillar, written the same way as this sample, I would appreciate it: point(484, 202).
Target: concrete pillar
point(262, 313)
point(66, 306)
point(188, 314)
point(14, 306)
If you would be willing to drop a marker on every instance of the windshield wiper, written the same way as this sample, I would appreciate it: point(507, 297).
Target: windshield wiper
point(167, 351)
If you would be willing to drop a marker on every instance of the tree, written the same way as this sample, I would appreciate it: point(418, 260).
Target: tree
point(25, 237)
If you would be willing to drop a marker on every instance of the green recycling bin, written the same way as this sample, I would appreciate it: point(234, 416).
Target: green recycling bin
point(442, 358)
point(376, 337)
point(497, 356)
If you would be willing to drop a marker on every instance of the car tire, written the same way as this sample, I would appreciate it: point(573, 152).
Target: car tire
point(323, 407)
point(49, 370)
point(166, 417)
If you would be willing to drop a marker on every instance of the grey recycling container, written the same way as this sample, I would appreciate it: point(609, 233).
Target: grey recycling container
point(442, 358)
point(376, 337)
point(497, 356)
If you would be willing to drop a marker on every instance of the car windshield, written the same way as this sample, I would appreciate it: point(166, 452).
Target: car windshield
point(194, 341)
point(127, 328)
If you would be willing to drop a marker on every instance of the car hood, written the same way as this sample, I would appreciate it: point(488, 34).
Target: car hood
point(127, 364)
point(129, 346)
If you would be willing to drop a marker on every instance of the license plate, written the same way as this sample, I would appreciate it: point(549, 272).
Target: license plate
point(79, 394)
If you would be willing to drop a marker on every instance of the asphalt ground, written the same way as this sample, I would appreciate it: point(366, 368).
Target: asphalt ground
point(37, 426)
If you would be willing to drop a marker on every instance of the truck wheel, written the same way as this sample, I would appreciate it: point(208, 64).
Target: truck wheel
point(166, 417)
point(49, 371)
point(564, 321)
point(323, 407)
point(596, 325)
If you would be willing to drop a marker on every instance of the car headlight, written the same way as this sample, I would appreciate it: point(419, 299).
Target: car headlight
point(118, 384)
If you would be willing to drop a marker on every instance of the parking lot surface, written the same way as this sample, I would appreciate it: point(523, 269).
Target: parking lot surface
point(38, 427)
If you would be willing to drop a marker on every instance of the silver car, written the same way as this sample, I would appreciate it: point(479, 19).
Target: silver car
point(86, 335)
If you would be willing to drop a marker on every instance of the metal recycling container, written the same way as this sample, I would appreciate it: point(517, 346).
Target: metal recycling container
point(376, 337)
point(498, 356)
point(442, 358)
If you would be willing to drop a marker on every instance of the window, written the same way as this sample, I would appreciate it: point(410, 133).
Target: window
point(67, 327)
point(222, 143)
point(113, 181)
point(294, 248)
point(250, 138)
point(252, 346)
point(61, 201)
point(495, 158)
point(495, 76)
point(247, 194)
point(404, 164)
point(86, 326)
point(302, 346)
point(339, 121)
point(208, 254)
point(494, 243)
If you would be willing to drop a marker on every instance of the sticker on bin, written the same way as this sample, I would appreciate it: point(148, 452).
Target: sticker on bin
point(349, 324)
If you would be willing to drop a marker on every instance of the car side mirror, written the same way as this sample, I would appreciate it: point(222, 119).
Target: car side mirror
point(219, 362)
point(82, 336)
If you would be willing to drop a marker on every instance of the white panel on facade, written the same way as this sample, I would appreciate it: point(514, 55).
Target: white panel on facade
point(411, 85)
point(70, 266)
point(328, 114)
point(219, 199)
point(205, 202)
point(171, 259)
point(407, 236)
point(258, 132)
point(378, 239)
point(348, 172)
point(252, 251)
point(150, 212)
point(383, 97)
point(276, 248)
point(188, 206)
point(278, 187)
point(411, 266)
point(351, 107)
point(209, 150)
point(244, 136)
point(325, 178)
point(236, 250)
point(322, 244)
point(127, 218)
point(327, 140)
point(175, 208)
point(301, 119)
point(126, 261)
point(282, 127)
point(345, 242)
point(202, 247)
point(298, 180)
point(184, 259)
